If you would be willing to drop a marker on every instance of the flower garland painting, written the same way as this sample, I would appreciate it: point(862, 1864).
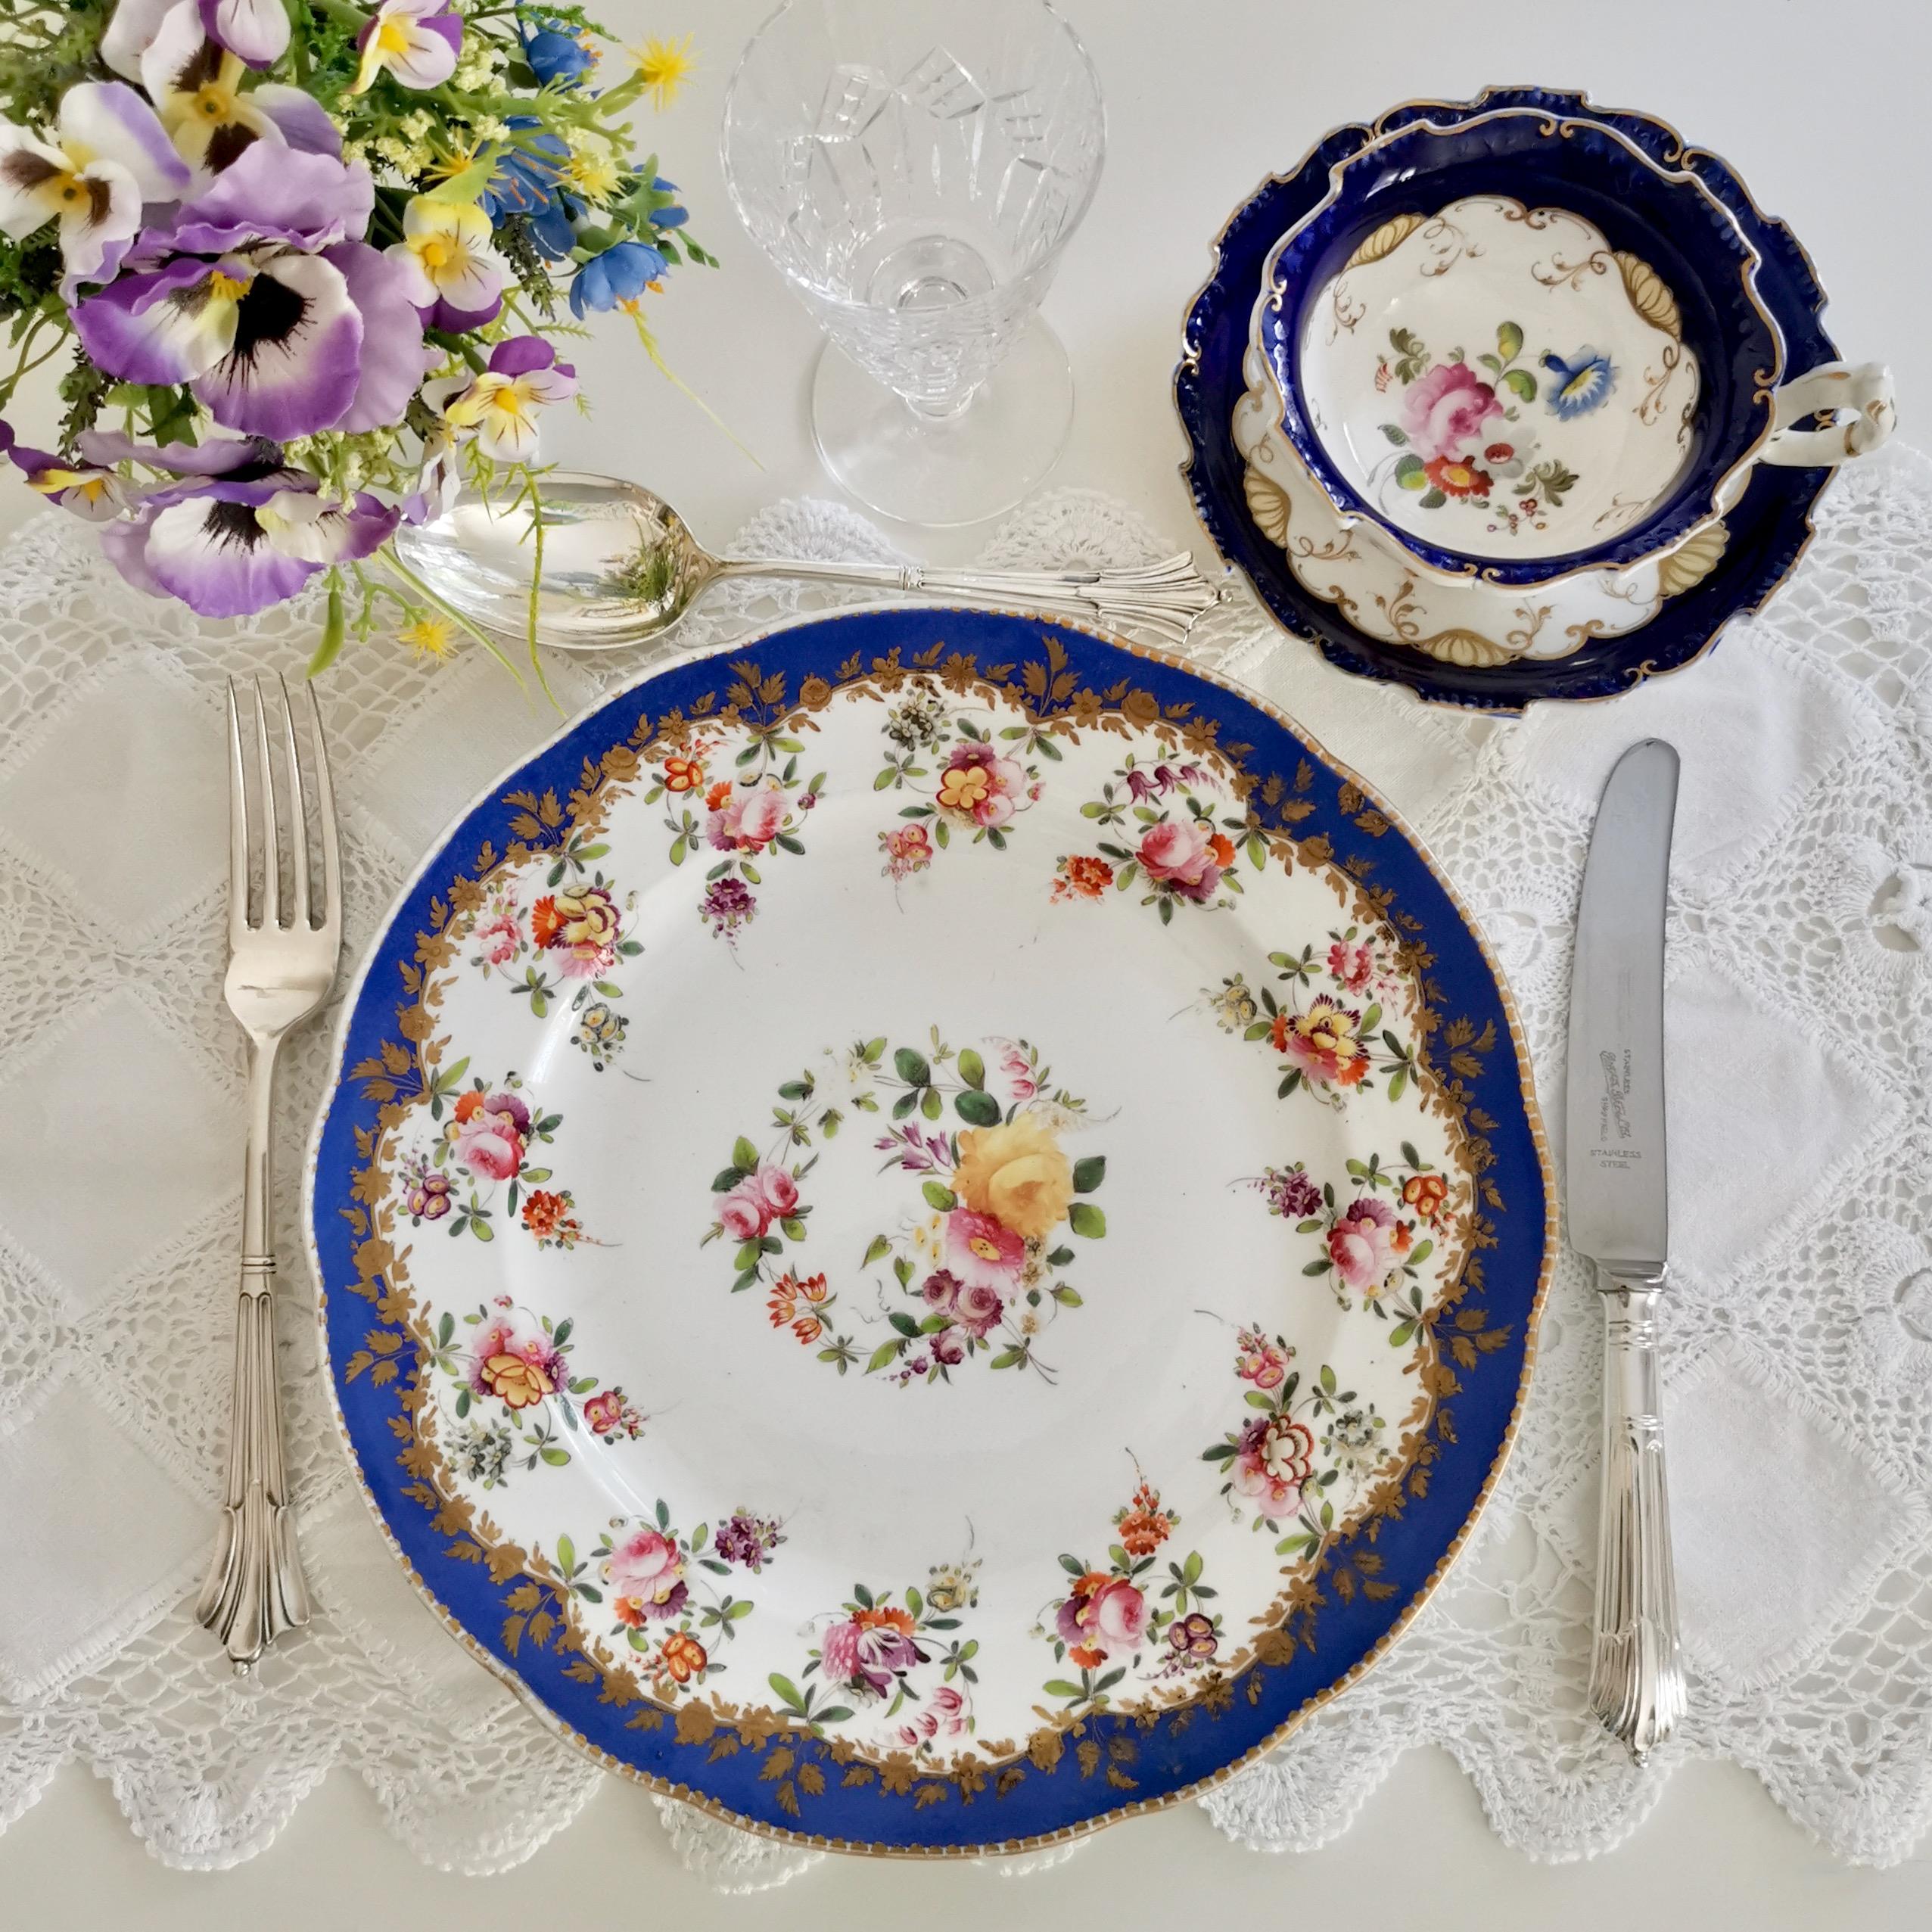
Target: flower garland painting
point(306, 265)
point(976, 1272)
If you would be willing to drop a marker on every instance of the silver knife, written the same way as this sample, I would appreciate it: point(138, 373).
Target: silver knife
point(1617, 1198)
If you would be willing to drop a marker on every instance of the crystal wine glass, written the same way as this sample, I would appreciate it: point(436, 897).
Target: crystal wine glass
point(914, 168)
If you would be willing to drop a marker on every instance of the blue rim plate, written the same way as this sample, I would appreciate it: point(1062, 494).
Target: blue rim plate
point(654, 904)
point(1769, 529)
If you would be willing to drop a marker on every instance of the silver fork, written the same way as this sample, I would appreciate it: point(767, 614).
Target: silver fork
point(278, 975)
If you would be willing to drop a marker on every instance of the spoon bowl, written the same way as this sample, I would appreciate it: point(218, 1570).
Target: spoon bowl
point(619, 566)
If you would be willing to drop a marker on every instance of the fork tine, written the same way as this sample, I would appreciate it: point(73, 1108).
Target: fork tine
point(272, 820)
point(332, 848)
point(298, 916)
point(238, 825)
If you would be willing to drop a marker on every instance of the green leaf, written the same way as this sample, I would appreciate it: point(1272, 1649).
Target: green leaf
point(1421, 1253)
point(748, 1279)
point(1509, 340)
point(555, 1458)
point(1410, 474)
point(978, 1107)
point(903, 1322)
point(911, 1066)
point(1084, 1218)
point(972, 1069)
point(787, 1691)
point(1317, 1267)
point(1087, 1174)
point(744, 1155)
point(929, 1103)
point(1394, 435)
point(937, 1195)
point(1058, 1686)
point(1520, 382)
point(1068, 1298)
point(1401, 1333)
point(877, 1251)
point(886, 1352)
point(1434, 500)
point(795, 1228)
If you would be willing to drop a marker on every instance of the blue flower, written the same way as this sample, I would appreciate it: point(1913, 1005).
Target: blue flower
point(618, 274)
point(526, 181)
point(671, 215)
point(553, 55)
point(1582, 383)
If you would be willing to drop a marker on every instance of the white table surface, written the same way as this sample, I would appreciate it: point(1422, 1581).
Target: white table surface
point(1821, 106)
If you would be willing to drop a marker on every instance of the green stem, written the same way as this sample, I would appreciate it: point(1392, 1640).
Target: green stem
point(398, 568)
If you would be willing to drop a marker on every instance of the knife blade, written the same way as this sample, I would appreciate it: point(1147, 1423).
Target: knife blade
point(1616, 1188)
point(1617, 1196)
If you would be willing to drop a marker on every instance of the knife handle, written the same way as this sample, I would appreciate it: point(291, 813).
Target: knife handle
point(1636, 1665)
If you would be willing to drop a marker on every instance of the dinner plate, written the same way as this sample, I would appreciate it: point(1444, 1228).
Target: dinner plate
point(930, 1229)
point(1768, 531)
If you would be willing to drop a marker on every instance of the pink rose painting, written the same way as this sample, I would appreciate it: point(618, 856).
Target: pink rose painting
point(1361, 1245)
point(1106, 1616)
point(748, 821)
point(1180, 853)
point(1445, 407)
point(488, 1134)
point(646, 1575)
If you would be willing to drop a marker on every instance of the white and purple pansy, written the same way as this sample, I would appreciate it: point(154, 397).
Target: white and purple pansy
point(196, 85)
point(89, 491)
point(457, 277)
point(229, 545)
point(106, 156)
point(265, 301)
point(417, 41)
point(256, 29)
point(499, 406)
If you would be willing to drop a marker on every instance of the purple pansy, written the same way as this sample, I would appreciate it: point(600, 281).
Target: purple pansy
point(256, 30)
point(90, 490)
point(197, 88)
point(297, 326)
point(417, 41)
point(106, 156)
point(229, 545)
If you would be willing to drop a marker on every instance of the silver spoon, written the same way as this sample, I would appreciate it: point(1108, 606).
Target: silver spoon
point(621, 566)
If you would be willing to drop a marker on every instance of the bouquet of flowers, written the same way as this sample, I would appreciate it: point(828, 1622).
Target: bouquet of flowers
point(311, 259)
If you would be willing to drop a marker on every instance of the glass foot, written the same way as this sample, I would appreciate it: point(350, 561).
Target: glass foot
point(949, 470)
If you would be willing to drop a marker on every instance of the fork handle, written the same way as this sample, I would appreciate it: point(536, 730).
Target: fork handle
point(1636, 1683)
point(255, 1590)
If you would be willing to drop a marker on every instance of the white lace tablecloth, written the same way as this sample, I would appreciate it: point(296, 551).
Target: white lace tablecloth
point(1800, 1389)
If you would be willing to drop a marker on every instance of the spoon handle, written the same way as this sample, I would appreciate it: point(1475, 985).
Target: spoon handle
point(1164, 598)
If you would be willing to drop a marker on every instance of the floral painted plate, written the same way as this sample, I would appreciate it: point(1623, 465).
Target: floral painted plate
point(1767, 530)
point(929, 1233)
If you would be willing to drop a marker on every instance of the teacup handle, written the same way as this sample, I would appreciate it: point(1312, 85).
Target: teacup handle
point(1857, 396)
